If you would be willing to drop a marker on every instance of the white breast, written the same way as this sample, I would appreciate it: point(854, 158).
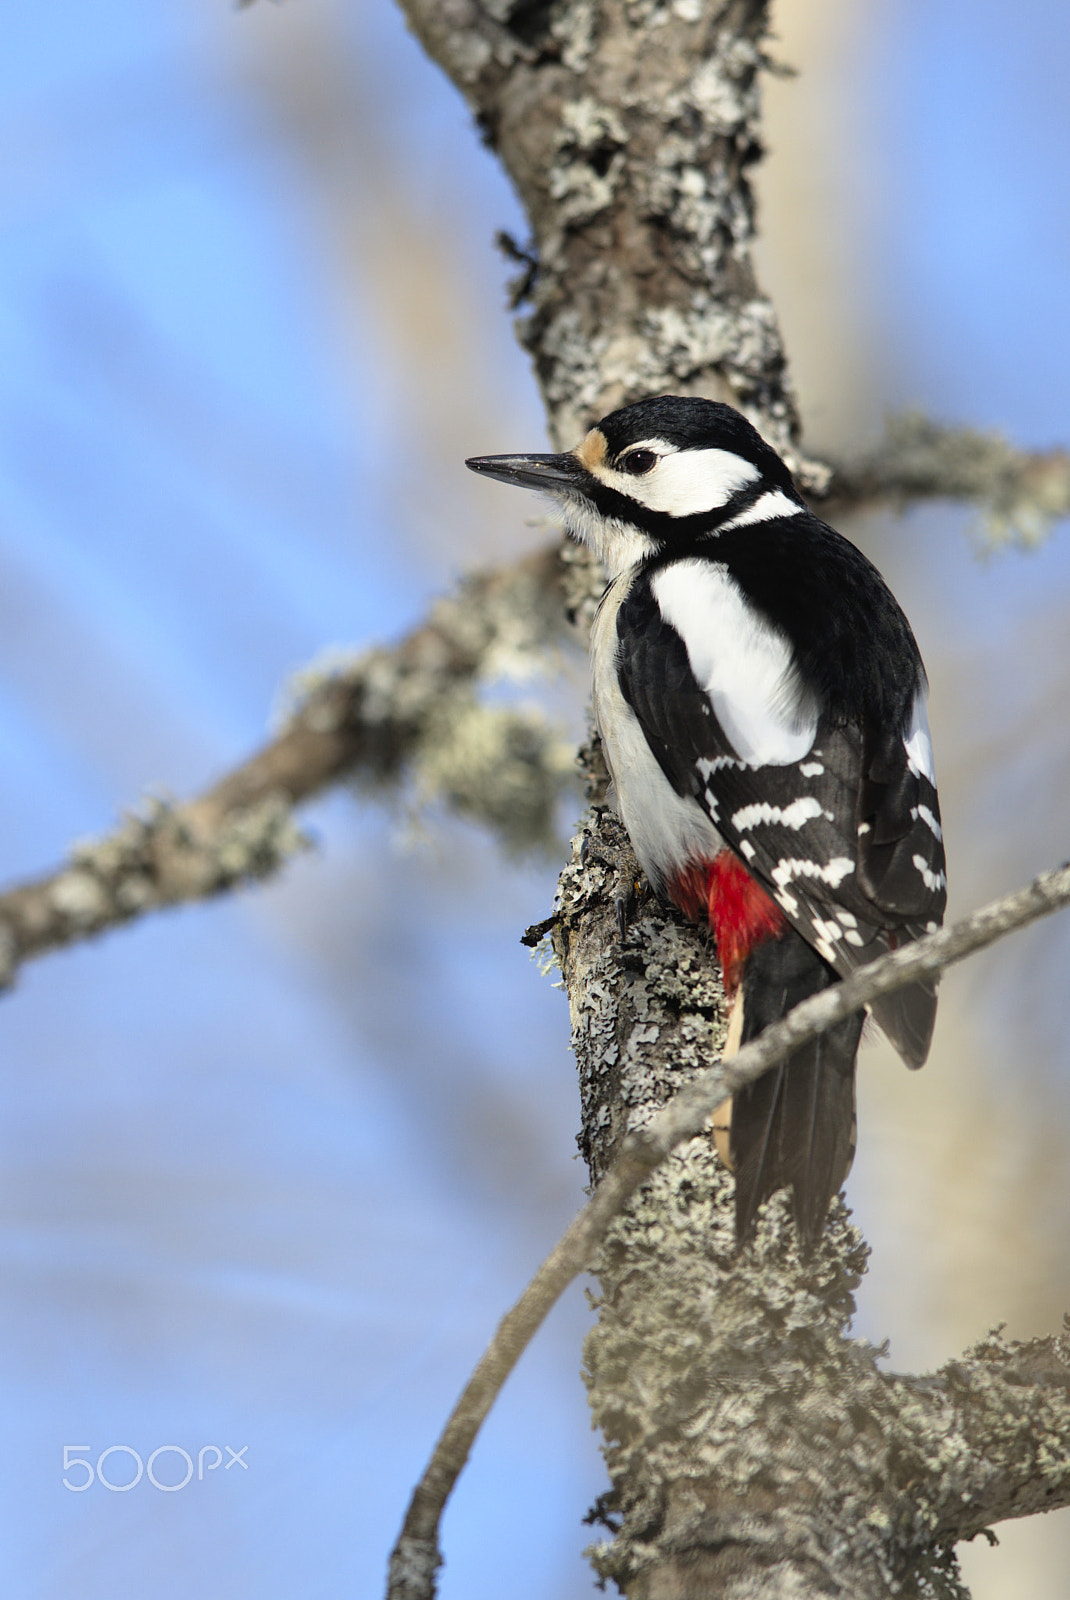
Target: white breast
point(666, 829)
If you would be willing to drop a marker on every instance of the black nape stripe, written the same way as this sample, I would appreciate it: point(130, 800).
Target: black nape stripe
point(677, 533)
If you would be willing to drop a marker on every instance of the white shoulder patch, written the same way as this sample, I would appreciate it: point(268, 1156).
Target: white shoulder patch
point(742, 662)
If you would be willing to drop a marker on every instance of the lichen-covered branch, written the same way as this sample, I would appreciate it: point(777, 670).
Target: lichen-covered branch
point(748, 1439)
point(412, 711)
point(1020, 493)
point(755, 1450)
point(628, 128)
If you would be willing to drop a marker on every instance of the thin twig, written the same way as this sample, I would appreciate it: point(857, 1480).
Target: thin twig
point(416, 1556)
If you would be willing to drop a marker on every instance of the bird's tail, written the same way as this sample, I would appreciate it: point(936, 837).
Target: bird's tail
point(795, 1126)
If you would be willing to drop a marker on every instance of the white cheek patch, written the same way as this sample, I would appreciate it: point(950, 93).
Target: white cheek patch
point(686, 483)
point(742, 662)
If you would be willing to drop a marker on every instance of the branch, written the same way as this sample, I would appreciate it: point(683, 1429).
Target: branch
point(1021, 493)
point(416, 1556)
point(391, 712)
point(628, 130)
point(1003, 1437)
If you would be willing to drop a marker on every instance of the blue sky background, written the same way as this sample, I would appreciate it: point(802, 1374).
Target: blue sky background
point(271, 1169)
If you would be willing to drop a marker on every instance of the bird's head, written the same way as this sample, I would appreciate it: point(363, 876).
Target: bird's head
point(659, 475)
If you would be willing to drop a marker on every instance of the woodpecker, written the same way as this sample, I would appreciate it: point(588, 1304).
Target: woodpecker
point(762, 706)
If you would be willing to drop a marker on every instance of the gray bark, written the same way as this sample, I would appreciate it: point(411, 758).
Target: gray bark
point(754, 1448)
point(627, 127)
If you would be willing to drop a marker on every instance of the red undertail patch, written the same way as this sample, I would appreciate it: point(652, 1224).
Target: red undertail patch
point(739, 912)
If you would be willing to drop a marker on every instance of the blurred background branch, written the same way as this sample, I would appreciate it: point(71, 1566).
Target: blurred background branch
point(1020, 494)
point(411, 714)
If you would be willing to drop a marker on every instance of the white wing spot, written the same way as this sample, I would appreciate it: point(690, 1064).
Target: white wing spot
point(932, 880)
point(917, 742)
point(923, 814)
point(747, 849)
point(812, 769)
point(853, 938)
point(793, 816)
point(830, 872)
point(708, 765)
point(848, 918)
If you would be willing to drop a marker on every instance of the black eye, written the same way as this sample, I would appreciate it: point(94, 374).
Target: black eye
point(637, 462)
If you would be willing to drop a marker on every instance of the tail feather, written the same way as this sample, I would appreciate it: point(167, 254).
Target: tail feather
point(794, 1127)
point(908, 1017)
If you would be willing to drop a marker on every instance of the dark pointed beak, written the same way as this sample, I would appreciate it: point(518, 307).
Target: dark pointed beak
point(549, 473)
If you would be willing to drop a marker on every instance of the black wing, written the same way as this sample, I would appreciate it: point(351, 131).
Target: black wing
point(846, 840)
